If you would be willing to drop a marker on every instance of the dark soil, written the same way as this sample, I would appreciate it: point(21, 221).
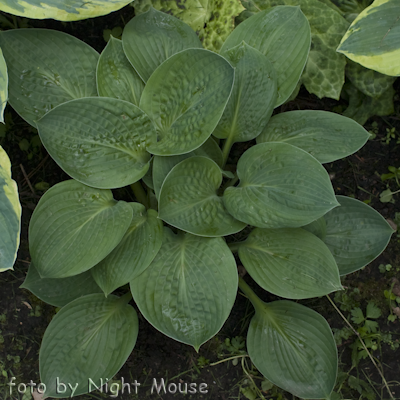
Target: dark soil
point(24, 318)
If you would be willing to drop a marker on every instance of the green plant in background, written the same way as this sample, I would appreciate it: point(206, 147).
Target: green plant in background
point(149, 107)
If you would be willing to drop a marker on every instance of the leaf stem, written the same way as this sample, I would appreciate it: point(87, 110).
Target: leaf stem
point(140, 194)
point(363, 345)
point(234, 247)
point(231, 182)
point(255, 300)
point(228, 359)
point(126, 298)
point(226, 148)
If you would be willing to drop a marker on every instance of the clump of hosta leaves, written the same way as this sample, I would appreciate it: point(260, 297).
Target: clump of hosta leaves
point(154, 107)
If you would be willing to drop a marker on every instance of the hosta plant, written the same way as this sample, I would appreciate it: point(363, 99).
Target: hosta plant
point(157, 107)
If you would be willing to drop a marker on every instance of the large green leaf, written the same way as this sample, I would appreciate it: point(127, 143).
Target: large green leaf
point(59, 291)
point(324, 71)
point(368, 81)
point(162, 165)
point(116, 76)
point(71, 10)
point(326, 136)
point(253, 95)
point(151, 38)
point(355, 234)
point(213, 20)
point(46, 68)
point(99, 141)
point(290, 263)
point(3, 86)
point(74, 227)
point(134, 253)
point(373, 39)
point(186, 97)
point(293, 347)
point(87, 342)
point(281, 186)
point(283, 35)
point(10, 214)
point(189, 289)
point(189, 200)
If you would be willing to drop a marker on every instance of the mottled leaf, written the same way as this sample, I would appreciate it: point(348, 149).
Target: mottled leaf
point(188, 199)
point(86, 343)
point(326, 136)
point(10, 214)
point(116, 76)
point(74, 227)
point(189, 289)
point(99, 141)
point(46, 68)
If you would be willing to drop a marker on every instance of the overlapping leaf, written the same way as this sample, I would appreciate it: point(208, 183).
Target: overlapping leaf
point(293, 347)
point(373, 39)
point(74, 227)
point(134, 253)
point(163, 165)
point(59, 291)
point(10, 214)
point(189, 200)
point(282, 34)
point(87, 341)
point(99, 141)
point(46, 68)
point(290, 263)
point(213, 20)
point(116, 76)
point(355, 234)
point(281, 186)
point(3, 86)
point(324, 71)
point(186, 97)
point(187, 292)
point(326, 136)
point(151, 38)
point(253, 95)
point(72, 10)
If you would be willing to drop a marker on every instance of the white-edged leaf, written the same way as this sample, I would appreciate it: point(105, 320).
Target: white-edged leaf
point(3, 86)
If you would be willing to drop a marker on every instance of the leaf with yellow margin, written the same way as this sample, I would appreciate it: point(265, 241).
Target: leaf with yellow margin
point(73, 10)
point(373, 39)
point(10, 214)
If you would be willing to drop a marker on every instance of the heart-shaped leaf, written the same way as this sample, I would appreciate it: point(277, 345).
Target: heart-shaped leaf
point(281, 186)
point(355, 234)
point(74, 227)
point(3, 86)
point(99, 141)
point(189, 289)
point(10, 214)
point(283, 35)
point(373, 39)
point(134, 253)
point(293, 347)
point(188, 199)
point(186, 97)
point(86, 343)
point(116, 76)
point(162, 165)
point(46, 68)
point(253, 95)
point(61, 291)
point(71, 10)
point(290, 263)
point(152, 37)
point(326, 136)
